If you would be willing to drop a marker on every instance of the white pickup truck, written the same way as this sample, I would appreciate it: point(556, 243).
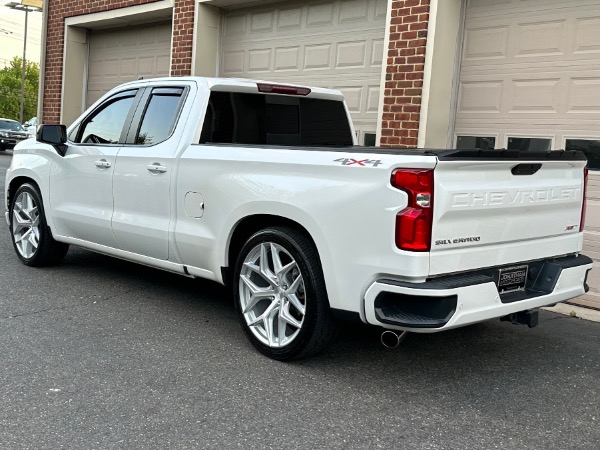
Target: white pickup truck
point(261, 186)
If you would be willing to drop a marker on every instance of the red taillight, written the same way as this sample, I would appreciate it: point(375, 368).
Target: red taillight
point(584, 203)
point(266, 88)
point(413, 224)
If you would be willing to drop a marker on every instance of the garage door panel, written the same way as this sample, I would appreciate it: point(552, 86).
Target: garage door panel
point(316, 57)
point(572, 94)
point(261, 23)
point(586, 37)
point(234, 26)
point(289, 19)
point(541, 38)
point(351, 55)
point(233, 63)
point(536, 96)
point(584, 95)
point(353, 10)
point(259, 60)
point(320, 15)
point(480, 97)
point(485, 43)
point(145, 67)
point(372, 101)
point(532, 37)
point(287, 58)
point(377, 53)
point(313, 55)
point(126, 54)
point(495, 8)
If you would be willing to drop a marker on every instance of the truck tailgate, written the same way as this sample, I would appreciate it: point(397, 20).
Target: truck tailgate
point(494, 211)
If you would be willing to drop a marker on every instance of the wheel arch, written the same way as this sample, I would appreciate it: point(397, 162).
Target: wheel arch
point(29, 177)
point(14, 186)
point(249, 225)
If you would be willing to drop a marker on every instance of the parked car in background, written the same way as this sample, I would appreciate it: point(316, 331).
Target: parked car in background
point(31, 126)
point(11, 133)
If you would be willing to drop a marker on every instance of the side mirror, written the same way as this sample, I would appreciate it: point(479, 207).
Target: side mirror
point(55, 135)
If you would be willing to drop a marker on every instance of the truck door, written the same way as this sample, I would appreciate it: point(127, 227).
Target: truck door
point(143, 172)
point(81, 192)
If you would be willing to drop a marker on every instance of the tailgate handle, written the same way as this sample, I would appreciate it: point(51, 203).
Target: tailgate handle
point(526, 169)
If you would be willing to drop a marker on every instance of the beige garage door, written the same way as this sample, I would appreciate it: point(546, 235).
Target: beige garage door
point(125, 54)
point(530, 79)
point(333, 44)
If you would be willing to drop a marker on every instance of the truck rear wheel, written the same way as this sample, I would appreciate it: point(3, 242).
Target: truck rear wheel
point(31, 236)
point(280, 295)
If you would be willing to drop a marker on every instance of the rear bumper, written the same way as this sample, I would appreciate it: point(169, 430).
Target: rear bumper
point(458, 300)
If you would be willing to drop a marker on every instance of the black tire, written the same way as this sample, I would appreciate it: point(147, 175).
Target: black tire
point(319, 327)
point(48, 251)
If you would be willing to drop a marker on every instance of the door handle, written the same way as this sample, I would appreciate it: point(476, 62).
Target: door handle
point(102, 164)
point(156, 168)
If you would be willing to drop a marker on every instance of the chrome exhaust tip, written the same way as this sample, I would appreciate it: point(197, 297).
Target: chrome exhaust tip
point(391, 339)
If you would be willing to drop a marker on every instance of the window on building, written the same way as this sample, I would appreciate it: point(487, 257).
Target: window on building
point(478, 142)
point(160, 115)
point(529, 144)
point(105, 124)
point(236, 118)
point(591, 148)
point(370, 139)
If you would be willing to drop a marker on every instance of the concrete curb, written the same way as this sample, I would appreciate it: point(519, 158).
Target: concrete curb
point(576, 311)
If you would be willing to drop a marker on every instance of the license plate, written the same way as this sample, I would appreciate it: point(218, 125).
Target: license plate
point(512, 278)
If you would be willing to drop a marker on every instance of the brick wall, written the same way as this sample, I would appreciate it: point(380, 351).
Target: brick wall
point(183, 35)
point(404, 75)
point(58, 11)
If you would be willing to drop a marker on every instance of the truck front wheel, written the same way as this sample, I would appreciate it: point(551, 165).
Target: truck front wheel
point(31, 236)
point(280, 295)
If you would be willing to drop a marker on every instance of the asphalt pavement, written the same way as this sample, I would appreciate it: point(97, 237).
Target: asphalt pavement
point(99, 353)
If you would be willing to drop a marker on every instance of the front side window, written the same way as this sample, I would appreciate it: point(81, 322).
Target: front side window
point(159, 118)
point(236, 118)
point(106, 123)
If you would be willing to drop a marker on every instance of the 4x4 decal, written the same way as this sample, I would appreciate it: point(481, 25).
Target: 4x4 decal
point(362, 162)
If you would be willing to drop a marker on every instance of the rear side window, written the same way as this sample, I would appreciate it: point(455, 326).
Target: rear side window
point(160, 115)
point(235, 118)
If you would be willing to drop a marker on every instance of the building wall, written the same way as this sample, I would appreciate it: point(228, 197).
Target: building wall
point(404, 73)
point(183, 37)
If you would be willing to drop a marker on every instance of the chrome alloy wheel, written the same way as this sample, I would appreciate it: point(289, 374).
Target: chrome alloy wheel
point(26, 225)
point(272, 294)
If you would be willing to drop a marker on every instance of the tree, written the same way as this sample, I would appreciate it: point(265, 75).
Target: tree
point(10, 89)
